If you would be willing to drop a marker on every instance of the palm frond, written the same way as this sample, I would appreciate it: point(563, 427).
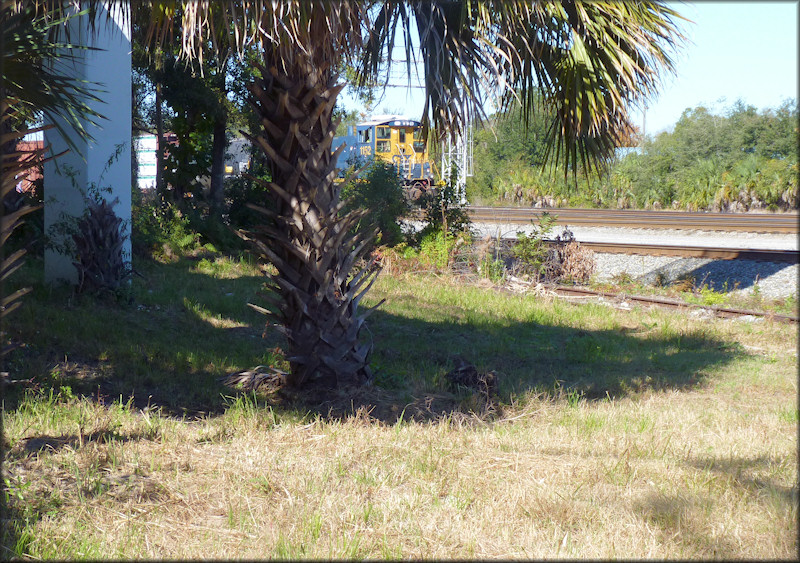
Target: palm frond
point(589, 62)
point(287, 27)
point(38, 75)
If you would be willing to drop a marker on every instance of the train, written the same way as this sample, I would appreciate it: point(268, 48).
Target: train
point(395, 140)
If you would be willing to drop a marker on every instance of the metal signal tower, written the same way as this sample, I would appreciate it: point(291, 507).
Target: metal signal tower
point(457, 159)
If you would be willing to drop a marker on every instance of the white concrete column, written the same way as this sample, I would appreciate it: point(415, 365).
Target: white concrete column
point(106, 161)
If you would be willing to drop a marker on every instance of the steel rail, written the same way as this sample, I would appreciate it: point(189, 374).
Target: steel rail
point(726, 312)
point(715, 253)
point(682, 220)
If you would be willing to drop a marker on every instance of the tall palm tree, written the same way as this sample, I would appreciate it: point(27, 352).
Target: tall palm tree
point(589, 60)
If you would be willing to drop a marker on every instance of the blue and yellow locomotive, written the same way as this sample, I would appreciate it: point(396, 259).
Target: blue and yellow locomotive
point(395, 140)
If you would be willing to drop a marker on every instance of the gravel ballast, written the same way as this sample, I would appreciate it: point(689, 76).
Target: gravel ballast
point(770, 279)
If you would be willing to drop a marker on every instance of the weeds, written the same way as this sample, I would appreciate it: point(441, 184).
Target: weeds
point(160, 229)
point(532, 251)
point(567, 261)
point(438, 249)
point(707, 296)
point(577, 263)
point(622, 279)
point(493, 269)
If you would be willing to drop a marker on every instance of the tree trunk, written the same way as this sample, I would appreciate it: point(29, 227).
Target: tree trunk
point(218, 147)
point(160, 188)
point(182, 178)
point(306, 238)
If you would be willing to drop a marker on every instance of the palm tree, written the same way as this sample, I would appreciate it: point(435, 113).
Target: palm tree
point(590, 61)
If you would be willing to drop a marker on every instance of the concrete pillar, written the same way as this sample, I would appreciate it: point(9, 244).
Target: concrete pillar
point(104, 162)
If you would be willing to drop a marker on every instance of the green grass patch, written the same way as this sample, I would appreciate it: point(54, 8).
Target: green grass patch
point(188, 324)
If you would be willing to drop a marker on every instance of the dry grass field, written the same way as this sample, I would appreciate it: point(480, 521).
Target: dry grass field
point(615, 434)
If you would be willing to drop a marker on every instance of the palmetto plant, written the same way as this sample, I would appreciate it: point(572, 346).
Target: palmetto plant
point(98, 244)
point(587, 62)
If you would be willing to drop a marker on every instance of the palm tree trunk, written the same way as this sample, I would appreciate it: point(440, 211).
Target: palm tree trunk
point(218, 163)
point(310, 243)
point(160, 188)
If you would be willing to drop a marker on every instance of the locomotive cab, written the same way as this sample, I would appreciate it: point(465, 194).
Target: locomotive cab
point(394, 140)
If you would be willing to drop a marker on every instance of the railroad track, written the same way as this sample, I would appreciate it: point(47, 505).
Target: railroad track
point(714, 253)
point(628, 218)
point(725, 312)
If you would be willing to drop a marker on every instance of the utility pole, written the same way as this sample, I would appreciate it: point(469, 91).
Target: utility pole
point(644, 125)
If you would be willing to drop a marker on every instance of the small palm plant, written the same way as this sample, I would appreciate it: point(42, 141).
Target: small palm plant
point(98, 248)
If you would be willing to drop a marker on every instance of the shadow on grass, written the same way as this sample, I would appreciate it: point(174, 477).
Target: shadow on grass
point(528, 357)
point(185, 330)
point(678, 518)
point(54, 443)
point(754, 475)
point(681, 515)
point(182, 331)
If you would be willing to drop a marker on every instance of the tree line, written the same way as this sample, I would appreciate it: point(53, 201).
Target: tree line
point(737, 160)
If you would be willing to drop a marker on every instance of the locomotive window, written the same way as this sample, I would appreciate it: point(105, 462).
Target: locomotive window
point(382, 146)
point(383, 132)
point(364, 135)
point(419, 146)
point(401, 136)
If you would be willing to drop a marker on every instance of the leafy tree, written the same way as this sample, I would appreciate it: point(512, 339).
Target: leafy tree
point(198, 94)
point(503, 144)
point(442, 210)
point(736, 161)
point(588, 60)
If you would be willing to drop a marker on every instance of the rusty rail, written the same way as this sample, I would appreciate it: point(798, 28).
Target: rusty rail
point(726, 312)
point(629, 218)
point(715, 253)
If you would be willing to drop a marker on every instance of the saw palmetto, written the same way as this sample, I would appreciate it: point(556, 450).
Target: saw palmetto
point(98, 243)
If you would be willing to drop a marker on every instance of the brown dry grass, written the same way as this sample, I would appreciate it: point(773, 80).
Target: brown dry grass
point(710, 473)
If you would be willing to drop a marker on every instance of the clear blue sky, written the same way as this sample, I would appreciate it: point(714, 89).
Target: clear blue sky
point(735, 50)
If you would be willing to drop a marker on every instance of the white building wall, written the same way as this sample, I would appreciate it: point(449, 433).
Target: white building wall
point(95, 161)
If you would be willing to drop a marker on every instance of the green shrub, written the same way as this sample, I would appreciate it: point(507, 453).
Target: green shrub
point(531, 251)
point(708, 296)
point(241, 191)
point(159, 227)
point(442, 212)
point(493, 269)
point(436, 249)
point(378, 190)
point(213, 228)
